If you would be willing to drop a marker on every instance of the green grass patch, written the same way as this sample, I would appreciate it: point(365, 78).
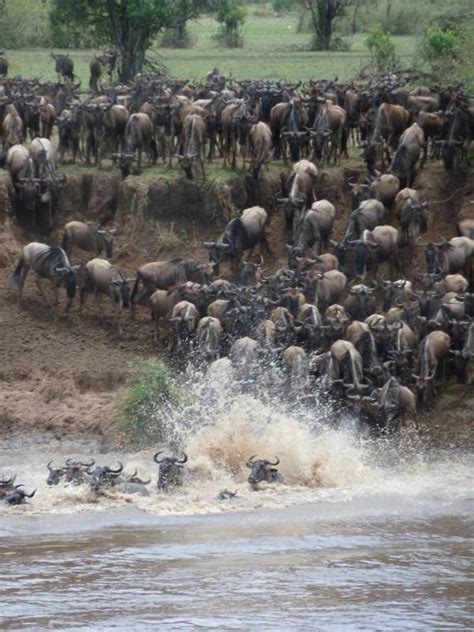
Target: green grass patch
point(146, 412)
point(273, 49)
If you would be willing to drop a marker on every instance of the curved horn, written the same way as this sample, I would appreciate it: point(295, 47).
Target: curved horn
point(87, 465)
point(31, 495)
point(185, 458)
point(155, 459)
point(276, 463)
point(250, 461)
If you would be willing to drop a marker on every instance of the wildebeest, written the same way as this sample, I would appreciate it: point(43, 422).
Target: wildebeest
point(165, 275)
point(300, 187)
point(345, 365)
point(458, 135)
point(3, 64)
point(392, 402)
point(328, 287)
point(465, 354)
point(368, 215)
point(260, 146)
point(19, 163)
point(139, 137)
point(262, 471)
point(330, 125)
point(384, 188)
point(170, 472)
point(48, 262)
point(434, 349)
point(18, 496)
point(64, 65)
point(185, 317)
point(55, 474)
point(407, 155)
point(382, 241)
point(241, 234)
point(390, 122)
point(208, 337)
point(411, 213)
point(12, 128)
point(101, 277)
point(44, 158)
point(103, 477)
point(316, 227)
point(89, 237)
point(194, 138)
point(448, 257)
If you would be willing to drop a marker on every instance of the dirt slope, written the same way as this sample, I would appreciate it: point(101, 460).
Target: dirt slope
point(67, 378)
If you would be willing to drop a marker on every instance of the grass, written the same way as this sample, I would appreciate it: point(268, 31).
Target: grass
point(149, 402)
point(273, 50)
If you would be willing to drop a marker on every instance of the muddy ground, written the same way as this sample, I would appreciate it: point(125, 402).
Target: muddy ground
point(67, 378)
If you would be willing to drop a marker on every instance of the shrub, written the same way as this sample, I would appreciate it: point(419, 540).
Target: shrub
point(382, 49)
point(231, 16)
point(439, 44)
point(149, 403)
point(18, 32)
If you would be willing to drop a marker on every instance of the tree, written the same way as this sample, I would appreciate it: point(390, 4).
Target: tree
point(128, 25)
point(324, 14)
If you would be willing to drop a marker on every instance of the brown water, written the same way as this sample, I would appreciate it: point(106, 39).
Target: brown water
point(363, 535)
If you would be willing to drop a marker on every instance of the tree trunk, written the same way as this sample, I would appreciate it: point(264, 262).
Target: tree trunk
point(131, 63)
point(325, 25)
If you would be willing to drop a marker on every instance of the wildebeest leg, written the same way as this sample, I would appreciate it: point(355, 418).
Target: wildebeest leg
point(97, 304)
point(201, 161)
point(39, 285)
point(24, 273)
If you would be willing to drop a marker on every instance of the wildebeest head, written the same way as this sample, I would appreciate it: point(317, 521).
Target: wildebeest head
point(106, 237)
point(123, 286)
point(362, 251)
point(359, 193)
point(294, 138)
point(55, 475)
point(18, 496)
point(320, 138)
point(7, 485)
point(449, 151)
point(431, 258)
point(67, 274)
point(170, 471)
point(262, 470)
point(103, 477)
point(215, 251)
point(74, 471)
point(370, 149)
point(424, 386)
point(124, 162)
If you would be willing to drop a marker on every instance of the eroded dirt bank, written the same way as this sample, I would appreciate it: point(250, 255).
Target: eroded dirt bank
point(67, 378)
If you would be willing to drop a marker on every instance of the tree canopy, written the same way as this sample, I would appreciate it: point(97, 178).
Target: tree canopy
point(128, 25)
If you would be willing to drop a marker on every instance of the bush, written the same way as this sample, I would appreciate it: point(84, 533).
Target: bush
point(149, 403)
point(18, 32)
point(231, 15)
point(440, 44)
point(382, 49)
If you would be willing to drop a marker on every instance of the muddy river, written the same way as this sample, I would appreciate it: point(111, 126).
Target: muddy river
point(362, 534)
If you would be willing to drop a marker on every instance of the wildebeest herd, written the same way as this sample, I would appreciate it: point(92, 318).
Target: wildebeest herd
point(382, 347)
point(101, 479)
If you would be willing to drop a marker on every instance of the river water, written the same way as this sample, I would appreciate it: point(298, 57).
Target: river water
point(362, 535)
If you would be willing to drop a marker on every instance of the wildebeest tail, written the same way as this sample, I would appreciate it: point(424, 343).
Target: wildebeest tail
point(64, 243)
point(134, 289)
point(16, 276)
